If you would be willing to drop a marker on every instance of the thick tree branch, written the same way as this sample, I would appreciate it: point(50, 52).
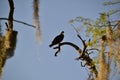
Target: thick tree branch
point(70, 44)
point(84, 57)
point(10, 17)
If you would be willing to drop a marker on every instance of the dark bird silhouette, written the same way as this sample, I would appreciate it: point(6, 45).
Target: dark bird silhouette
point(57, 39)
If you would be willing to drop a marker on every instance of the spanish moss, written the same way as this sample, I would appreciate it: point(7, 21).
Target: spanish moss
point(36, 21)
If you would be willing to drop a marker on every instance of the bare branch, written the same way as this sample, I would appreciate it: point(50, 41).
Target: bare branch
point(84, 44)
point(92, 49)
point(68, 43)
point(75, 28)
point(84, 57)
point(83, 41)
point(10, 17)
point(58, 50)
point(6, 25)
point(18, 21)
point(83, 65)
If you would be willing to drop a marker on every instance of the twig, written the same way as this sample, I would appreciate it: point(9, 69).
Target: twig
point(58, 50)
point(75, 28)
point(83, 41)
point(92, 49)
point(6, 25)
point(83, 65)
point(18, 21)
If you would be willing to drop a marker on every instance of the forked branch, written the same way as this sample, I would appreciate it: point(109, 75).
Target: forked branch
point(84, 57)
point(70, 44)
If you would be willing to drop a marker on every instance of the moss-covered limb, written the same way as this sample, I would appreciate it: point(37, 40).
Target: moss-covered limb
point(88, 61)
point(84, 57)
point(102, 74)
point(7, 47)
point(10, 35)
point(10, 42)
point(2, 54)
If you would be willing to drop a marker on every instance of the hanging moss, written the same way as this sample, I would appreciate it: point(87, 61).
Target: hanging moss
point(7, 47)
point(10, 42)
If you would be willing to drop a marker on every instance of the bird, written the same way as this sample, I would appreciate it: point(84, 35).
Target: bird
point(57, 39)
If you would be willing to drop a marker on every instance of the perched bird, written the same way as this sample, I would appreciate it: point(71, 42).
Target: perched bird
point(57, 39)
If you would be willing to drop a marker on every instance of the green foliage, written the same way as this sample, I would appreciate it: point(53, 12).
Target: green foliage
point(104, 35)
point(94, 29)
point(96, 33)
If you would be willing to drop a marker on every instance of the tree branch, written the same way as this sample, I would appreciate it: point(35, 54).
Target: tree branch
point(70, 44)
point(84, 44)
point(84, 57)
point(10, 17)
point(18, 21)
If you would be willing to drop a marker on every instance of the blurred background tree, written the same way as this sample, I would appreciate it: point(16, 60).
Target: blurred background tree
point(104, 34)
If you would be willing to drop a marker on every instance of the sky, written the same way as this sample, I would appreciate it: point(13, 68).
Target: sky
point(37, 62)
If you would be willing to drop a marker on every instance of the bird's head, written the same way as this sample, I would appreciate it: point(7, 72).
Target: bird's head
point(62, 32)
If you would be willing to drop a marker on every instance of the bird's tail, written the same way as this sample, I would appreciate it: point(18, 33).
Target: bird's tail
point(50, 45)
